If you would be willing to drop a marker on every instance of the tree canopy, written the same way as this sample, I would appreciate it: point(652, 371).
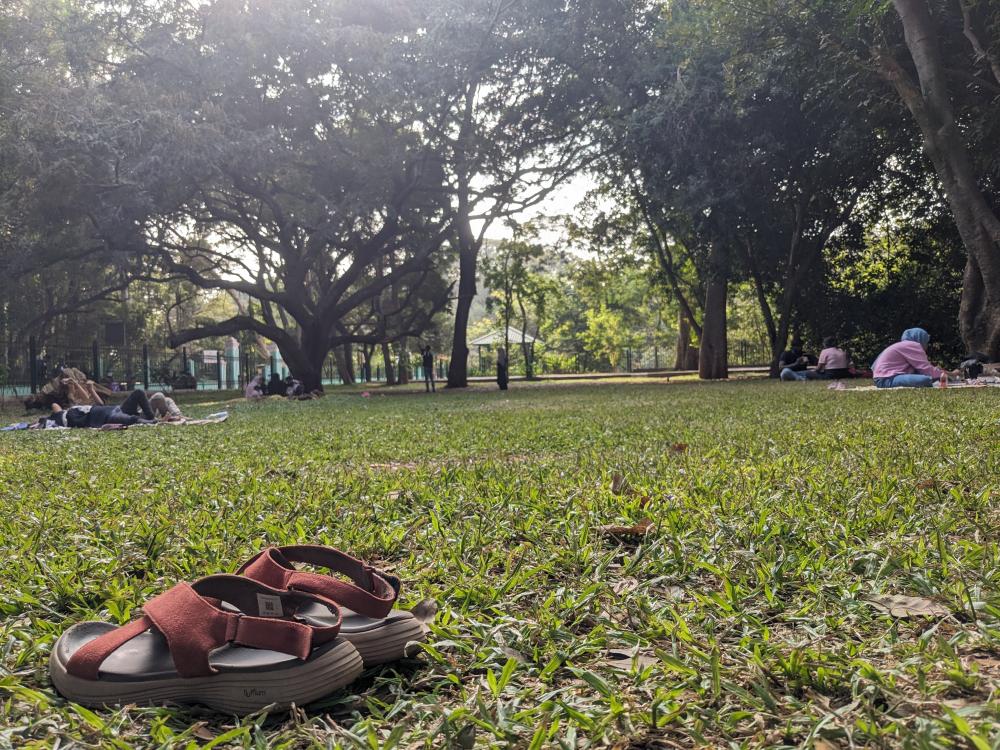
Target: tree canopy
point(334, 170)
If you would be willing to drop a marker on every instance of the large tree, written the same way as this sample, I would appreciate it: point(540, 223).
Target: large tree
point(950, 86)
point(506, 115)
point(273, 160)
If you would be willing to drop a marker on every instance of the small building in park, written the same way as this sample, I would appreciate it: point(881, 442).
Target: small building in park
point(490, 342)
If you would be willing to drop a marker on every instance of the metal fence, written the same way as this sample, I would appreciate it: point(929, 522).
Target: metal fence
point(127, 367)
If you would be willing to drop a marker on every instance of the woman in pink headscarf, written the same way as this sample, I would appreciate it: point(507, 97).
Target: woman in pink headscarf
point(905, 363)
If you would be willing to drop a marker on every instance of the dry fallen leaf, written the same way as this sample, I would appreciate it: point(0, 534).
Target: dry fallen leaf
point(927, 484)
point(824, 745)
point(679, 448)
point(908, 606)
point(424, 613)
point(619, 659)
point(513, 653)
point(619, 484)
point(467, 737)
point(637, 531)
point(202, 732)
point(624, 585)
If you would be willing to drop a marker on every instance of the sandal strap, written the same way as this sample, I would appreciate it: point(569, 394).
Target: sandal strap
point(372, 594)
point(86, 660)
point(193, 625)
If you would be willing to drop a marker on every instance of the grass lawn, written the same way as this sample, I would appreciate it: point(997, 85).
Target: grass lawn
point(743, 618)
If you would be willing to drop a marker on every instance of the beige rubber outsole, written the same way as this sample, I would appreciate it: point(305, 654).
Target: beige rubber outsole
point(228, 692)
point(386, 643)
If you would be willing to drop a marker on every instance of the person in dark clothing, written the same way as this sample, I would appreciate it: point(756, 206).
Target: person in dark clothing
point(834, 364)
point(133, 410)
point(276, 386)
point(502, 364)
point(427, 359)
point(794, 359)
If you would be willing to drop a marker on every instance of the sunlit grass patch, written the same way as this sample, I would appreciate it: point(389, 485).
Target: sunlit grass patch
point(774, 519)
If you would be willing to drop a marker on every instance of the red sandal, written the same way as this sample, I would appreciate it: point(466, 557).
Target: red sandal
point(379, 632)
point(266, 647)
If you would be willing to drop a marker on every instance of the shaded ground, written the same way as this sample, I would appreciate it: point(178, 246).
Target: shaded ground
point(741, 616)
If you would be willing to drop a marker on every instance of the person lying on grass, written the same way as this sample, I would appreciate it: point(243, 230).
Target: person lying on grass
point(905, 363)
point(126, 413)
point(165, 408)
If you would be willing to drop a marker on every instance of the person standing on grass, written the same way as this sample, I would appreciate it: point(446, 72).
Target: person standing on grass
point(502, 364)
point(427, 360)
point(905, 363)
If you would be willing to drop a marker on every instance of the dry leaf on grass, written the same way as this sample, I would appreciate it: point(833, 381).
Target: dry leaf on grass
point(619, 484)
point(637, 531)
point(424, 613)
point(824, 745)
point(202, 732)
point(679, 448)
point(619, 659)
point(908, 606)
point(625, 585)
point(513, 653)
point(926, 484)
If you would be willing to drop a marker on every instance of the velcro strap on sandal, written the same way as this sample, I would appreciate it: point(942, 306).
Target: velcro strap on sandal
point(288, 637)
point(192, 626)
point(372, 594)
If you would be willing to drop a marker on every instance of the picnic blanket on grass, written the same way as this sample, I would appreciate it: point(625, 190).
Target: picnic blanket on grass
point(936, 387)
point(217, 418)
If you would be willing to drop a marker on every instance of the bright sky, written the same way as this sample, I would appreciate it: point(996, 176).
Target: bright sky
point(560, 203)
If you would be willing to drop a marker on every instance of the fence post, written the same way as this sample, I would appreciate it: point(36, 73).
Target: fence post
point(95, 356)
point(219, 358)
point(33, 356)
point(145, 366)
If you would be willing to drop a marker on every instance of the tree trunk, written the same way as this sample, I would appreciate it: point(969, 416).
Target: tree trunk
point(366, 352)
point(403, 376)
point(978, 224)
point(349, 368)
point(687, 353)
point(305, 361)
point(344, 369)
point(468, 261)
point(713, 358)
point(390, 370)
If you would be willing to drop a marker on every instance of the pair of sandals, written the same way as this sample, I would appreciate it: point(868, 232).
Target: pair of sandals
point(271, 635)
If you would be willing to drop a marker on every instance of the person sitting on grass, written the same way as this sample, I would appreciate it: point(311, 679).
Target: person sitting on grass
point(275, 386)
point(794, 363)
point(294, 387)
point(834, 364)
point(255, 388)
point(905, 363)
point(132, 411)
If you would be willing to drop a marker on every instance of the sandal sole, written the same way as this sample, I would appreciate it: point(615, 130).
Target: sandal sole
point(386, 643)
point(229, 692)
